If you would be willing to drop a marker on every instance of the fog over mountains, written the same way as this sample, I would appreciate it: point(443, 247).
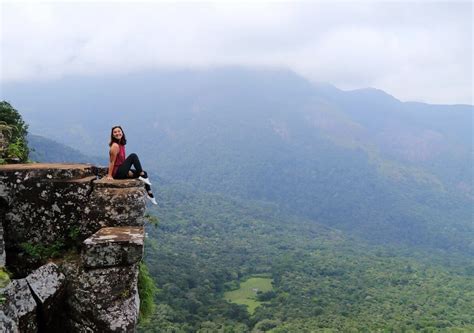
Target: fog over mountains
point(359, 161)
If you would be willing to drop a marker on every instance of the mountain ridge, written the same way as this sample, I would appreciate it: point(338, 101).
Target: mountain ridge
point(375, 166)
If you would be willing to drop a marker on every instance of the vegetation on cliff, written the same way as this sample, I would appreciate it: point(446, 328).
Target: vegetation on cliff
point(13, 132)
point(147, 291)
point(4, 278)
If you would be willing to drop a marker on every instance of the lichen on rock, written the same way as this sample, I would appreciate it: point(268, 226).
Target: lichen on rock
point(113, 246)
point(20, 306)
point(48, 209)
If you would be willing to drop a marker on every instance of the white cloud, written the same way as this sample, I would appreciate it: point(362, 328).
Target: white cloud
point(413, 50)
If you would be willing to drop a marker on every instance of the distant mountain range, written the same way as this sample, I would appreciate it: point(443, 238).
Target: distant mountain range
point(47, 150)
point(361, 161)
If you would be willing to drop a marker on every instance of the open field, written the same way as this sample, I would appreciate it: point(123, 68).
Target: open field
point(247, 292)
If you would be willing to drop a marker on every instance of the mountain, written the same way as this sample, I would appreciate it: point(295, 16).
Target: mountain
point(47, 150)
point(360, 161)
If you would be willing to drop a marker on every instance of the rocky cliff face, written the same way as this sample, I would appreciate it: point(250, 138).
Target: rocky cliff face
point(73, 243)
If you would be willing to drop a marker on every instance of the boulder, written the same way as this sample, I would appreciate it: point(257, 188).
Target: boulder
point(103, 300)
point(20, 306)
point(45, 211)
point(113, 246)
point(47, 284)
point(45, 201)
point(115, 203)
point(7, 325)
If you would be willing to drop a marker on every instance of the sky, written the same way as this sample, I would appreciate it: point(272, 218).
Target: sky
point(414, 50)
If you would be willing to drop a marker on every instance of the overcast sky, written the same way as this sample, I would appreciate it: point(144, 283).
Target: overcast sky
point(413, 50)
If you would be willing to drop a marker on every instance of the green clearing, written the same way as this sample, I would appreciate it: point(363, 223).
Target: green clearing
point(247, 293)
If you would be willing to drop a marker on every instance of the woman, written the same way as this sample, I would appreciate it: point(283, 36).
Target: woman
point(120, 167)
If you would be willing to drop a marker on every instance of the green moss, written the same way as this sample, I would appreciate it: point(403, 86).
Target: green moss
point(125, 293)
point(147, 291)
point(4, 277)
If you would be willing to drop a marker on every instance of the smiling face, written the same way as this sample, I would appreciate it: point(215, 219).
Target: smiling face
point(118, 136)
point(117, 133)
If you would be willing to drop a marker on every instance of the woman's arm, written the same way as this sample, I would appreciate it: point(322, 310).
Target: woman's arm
point(114, 150)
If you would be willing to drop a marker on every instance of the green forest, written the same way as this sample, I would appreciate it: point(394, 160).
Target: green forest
point(323, 281)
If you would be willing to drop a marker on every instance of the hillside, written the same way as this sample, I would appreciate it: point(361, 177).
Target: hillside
point(360, 161)
point(47, 150)
point(323, 279)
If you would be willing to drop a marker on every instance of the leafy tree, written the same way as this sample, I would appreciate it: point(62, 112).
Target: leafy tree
point(16, 133)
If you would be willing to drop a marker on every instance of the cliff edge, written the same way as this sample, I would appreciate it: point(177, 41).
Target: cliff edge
point(72, 243)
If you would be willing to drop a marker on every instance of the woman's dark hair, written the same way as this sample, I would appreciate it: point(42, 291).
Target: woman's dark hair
point(122, 141)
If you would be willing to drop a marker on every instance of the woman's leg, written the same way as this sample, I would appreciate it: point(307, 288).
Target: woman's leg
point(149, 193)
point(123, 170)
point(136, 174)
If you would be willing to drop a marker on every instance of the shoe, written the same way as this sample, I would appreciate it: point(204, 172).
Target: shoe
point(151, 198)
point(145, 180)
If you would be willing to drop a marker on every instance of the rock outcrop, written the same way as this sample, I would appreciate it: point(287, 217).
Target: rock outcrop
point(19, 306)
point(94, 230)
point(119, 246)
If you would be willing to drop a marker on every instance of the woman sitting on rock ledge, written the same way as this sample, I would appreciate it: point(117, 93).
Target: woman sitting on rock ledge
point(121, 167)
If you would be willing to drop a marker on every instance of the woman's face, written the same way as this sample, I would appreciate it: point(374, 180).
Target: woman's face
point(117, 133)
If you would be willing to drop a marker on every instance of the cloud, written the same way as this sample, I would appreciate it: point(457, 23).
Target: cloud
point(413, 50)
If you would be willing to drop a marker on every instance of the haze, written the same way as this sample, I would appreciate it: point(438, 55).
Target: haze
point(418, 51)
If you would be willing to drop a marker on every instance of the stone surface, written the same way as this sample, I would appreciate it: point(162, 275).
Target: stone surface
point(44, 201)
point(113, 246)
point(3, 211)
point(47, 284)
point(2, 243)
point(45, 205)
point(13, 175)
point(117, 183)
point(60, 205)
point(103, 300)
point(116, 203)
point(20, 306)
point(7, 325)
point(45, 211)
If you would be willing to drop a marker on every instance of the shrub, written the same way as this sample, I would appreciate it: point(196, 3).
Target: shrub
point(147, 291)
point(43, 252)
point(15, 130)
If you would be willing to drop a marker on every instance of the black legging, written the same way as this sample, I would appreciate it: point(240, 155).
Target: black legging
point(126, 166)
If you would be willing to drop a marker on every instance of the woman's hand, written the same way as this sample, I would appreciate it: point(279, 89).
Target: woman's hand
point(108, 177)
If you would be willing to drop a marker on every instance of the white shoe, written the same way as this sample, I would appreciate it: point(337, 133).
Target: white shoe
point(152, 199)
point(145, 180)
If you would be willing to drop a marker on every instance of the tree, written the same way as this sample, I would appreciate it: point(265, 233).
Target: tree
point(14, 131)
